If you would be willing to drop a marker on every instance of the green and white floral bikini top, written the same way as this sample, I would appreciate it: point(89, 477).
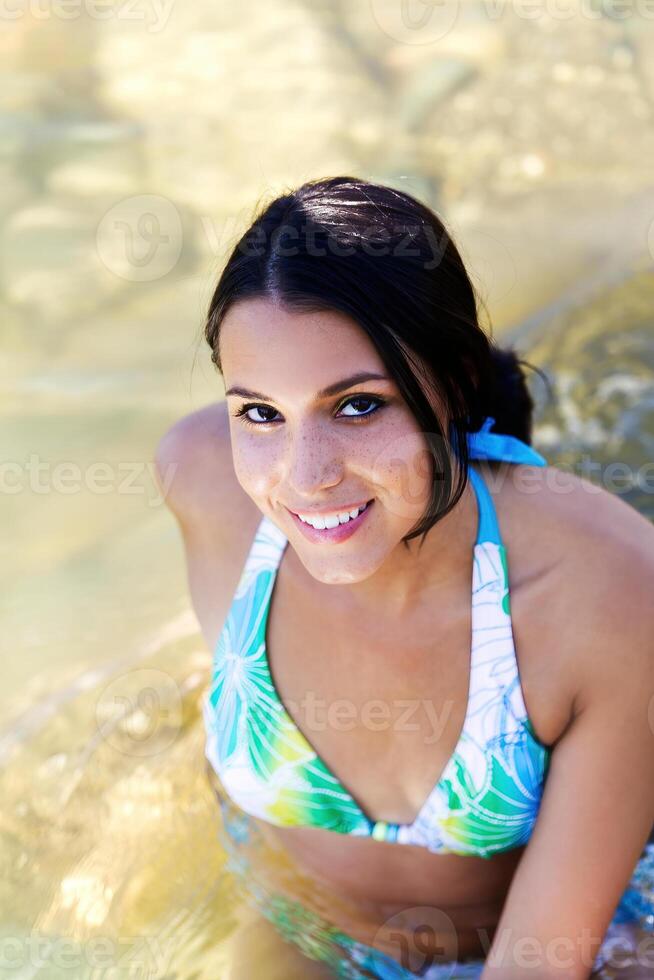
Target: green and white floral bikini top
point(488, 796)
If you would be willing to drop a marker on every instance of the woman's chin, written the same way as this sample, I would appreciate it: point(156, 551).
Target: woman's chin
point(339, 572)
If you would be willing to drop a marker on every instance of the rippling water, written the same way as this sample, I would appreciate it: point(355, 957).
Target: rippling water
point(600, 424)
point(133, 149)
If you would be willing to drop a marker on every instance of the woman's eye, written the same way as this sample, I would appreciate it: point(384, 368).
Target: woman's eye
point(362, 398)
point(242, 413)
point(262, 410)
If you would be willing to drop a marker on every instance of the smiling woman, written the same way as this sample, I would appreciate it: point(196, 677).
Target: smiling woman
point(489, 827)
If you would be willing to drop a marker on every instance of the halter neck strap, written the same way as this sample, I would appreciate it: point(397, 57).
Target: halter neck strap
point(485, 444)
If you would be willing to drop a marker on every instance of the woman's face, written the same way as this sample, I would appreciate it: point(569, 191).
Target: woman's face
point(298, 449)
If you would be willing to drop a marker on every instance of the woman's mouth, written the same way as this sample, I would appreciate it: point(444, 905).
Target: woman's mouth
point(340, 532)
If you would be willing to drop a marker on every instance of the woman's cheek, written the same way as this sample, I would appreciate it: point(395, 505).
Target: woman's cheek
point(402, 466)
point(254, 465)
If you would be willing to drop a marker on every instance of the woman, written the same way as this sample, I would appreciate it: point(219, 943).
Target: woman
point(456, 797)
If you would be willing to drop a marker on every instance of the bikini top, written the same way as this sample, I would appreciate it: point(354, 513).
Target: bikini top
point(488, 795)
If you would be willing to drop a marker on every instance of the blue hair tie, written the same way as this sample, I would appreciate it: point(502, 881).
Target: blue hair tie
point(495, 445)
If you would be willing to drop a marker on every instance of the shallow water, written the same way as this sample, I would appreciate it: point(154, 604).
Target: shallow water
point(117, 206)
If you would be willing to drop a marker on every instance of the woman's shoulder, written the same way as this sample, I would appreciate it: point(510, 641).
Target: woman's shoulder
point(588, 519)
point(216, 517)
point(195, 471)
point(569, 518)
point(595, 553)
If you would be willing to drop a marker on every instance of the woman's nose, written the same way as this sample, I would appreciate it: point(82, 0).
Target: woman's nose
point(312, 463)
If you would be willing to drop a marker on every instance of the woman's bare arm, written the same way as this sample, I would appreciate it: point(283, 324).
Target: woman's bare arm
point(598, 805)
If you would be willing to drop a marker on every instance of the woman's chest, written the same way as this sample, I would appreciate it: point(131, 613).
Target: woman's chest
point(381, 703)
point(385, 704)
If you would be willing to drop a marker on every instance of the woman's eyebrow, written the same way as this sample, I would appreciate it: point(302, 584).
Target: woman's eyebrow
point(327, 392)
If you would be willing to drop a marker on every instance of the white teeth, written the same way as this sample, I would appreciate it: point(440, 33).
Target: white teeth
point(332, 520)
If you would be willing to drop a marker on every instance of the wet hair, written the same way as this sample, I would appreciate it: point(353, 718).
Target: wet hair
point(388, 262)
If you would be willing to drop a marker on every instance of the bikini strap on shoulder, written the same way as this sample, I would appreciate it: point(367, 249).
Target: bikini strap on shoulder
point(488, 528)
